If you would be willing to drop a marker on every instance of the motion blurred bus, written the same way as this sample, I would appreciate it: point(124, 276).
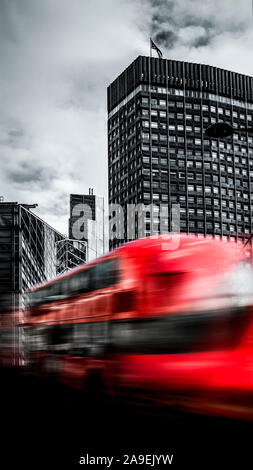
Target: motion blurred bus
point(166, 327)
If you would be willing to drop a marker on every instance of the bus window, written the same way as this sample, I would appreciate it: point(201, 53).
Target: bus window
point(105, 274)
point(36, 298)
point(37, 338)
point(99, 336)
point(99, 332)
point(64, 288)
point(46, 294)
point(81, 335)
point(52, 292)
point(79, 283)
point(61, 337)
point(183, 333)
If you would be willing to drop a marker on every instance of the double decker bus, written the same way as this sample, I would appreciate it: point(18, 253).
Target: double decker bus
point(146, 321)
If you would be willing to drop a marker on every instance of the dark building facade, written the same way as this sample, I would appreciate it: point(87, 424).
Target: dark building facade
point(27, 253)
point(158, 152)
point(86, 222)
point(27, 258)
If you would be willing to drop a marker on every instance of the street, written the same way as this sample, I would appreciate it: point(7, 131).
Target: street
point(45, 423)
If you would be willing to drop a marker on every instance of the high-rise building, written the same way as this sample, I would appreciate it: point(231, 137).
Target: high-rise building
point(27, 258)
point(27, 252)
point(158, 152)
point(87, 222)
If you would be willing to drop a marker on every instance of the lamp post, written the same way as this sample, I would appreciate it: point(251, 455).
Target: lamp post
point(223, 130)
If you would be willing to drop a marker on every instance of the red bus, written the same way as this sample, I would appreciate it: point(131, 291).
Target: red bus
point(163, 326)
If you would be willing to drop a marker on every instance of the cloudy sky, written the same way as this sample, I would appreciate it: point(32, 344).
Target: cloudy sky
point(57, 58)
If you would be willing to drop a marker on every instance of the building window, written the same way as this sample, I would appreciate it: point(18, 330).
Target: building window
point(145, 148)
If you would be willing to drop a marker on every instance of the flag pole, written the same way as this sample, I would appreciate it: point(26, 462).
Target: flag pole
point(149, 94)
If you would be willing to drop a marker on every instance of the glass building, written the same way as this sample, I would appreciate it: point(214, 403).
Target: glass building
point(158, 152)
point(27, 258)
point(27, 251)
point(70, 254)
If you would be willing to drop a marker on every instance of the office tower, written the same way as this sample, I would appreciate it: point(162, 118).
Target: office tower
point(27, 258)
point(158, 152)
point(27, 252)
point(86, 222)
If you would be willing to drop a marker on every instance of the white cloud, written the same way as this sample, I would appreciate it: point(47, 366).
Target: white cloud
point(57, 58)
